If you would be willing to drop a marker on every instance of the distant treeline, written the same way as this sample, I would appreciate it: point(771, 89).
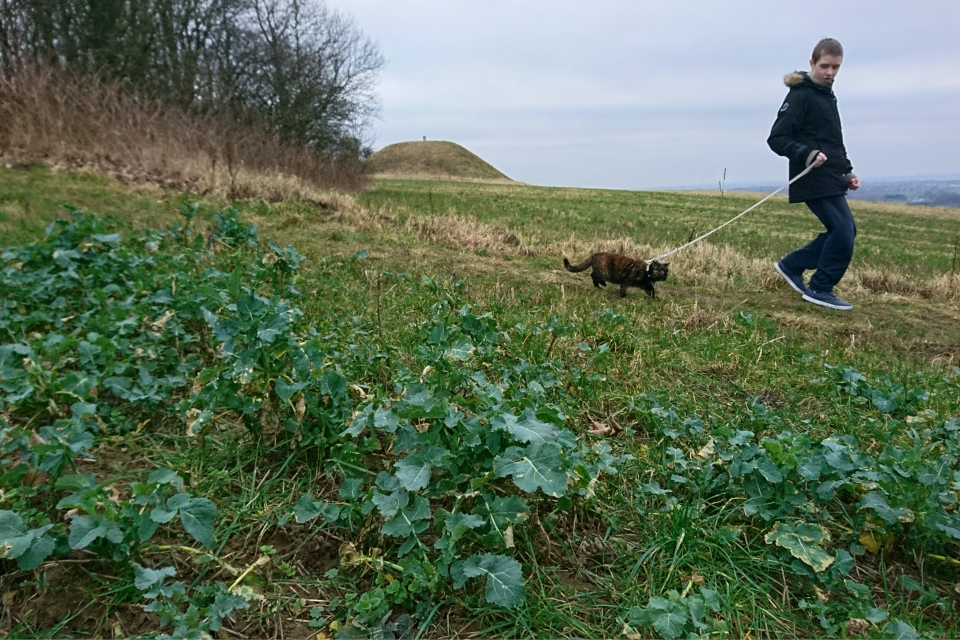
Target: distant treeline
point(932, 199)
point(932, 193)
point(303, 72)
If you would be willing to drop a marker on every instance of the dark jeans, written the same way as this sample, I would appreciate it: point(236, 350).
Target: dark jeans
point(830, 252)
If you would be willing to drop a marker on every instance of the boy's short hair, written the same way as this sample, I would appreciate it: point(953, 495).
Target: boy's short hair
point(829, 47)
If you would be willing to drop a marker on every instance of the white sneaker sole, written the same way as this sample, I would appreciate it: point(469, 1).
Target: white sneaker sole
point(776, 265)
point(827, 304)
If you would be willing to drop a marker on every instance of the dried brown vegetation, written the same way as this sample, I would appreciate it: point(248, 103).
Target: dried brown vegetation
point(56, 118)
point(701, 266)
point(717, 265)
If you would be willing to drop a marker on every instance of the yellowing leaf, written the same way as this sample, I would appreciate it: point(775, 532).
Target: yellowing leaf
point(707, 450)
point(803, 542)
point(508, 537)
point(869, 540)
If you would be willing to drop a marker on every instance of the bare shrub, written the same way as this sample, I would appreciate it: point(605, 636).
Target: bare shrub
point(53, 117)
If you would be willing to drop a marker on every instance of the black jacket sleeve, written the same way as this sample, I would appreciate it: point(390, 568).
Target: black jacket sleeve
point(784, 139)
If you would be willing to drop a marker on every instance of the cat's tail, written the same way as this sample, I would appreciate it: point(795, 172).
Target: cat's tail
point(576, 268)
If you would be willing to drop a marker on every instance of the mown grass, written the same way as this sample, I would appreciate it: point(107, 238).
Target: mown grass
point(725, 338)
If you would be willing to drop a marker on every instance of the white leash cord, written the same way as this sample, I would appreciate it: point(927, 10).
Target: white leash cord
point(696, 240)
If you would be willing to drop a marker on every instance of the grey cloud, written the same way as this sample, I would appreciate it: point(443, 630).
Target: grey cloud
point(629, 94)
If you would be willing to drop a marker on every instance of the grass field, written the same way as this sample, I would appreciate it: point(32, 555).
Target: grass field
point(418, 424)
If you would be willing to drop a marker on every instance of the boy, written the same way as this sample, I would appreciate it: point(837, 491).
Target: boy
point(807, 131)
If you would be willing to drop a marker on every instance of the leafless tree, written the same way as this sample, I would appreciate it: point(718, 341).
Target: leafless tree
point(305, 71)
point(313, 72)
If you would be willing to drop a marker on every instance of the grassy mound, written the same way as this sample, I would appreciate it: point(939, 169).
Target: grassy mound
point(432, 159)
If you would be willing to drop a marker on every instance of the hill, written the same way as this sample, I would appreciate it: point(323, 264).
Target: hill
point(432, 159)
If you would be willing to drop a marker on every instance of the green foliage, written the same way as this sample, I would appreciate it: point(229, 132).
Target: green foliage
point(504, 577)
point(679, 615)
point(473, 458)
point(906, 492)
point(184, 327)
point(28, 547)
point(445, 445)
point(195, 614)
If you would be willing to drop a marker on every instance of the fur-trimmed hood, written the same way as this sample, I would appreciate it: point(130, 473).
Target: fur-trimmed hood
point(794, 78)
point(797, 78)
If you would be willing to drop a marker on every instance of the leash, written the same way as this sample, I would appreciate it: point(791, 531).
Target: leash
point(696, 240)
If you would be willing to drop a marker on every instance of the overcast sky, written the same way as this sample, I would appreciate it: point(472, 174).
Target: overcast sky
point(632, 94)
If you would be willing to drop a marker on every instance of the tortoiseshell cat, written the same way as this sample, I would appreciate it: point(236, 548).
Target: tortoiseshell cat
point(627, 272)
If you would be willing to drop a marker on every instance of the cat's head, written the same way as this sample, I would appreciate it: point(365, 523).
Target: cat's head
point(657, 271)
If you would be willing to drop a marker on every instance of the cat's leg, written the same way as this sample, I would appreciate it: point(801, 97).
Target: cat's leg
point(648, 287)
point(598, 282)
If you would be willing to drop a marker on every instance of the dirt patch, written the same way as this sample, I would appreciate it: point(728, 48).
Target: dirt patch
point(129, 620)
point(67, 607)
point(312, 555)
point(450, 623)
point(573, 581)
point(107, 461)
point(63, 600)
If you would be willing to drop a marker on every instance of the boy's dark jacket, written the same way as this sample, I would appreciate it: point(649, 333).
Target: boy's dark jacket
point(808, 122)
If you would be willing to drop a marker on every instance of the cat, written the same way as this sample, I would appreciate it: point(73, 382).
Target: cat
point(627, 272)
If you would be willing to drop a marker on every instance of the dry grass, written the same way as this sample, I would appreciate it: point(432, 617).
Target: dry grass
point(703, 265)
point(466, 233)
point(697, 318)
point(941, 288)
point(54, 118)
point(454, 231)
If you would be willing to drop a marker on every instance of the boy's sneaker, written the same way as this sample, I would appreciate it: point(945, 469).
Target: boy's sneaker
point(827, 300)
point(794, 280)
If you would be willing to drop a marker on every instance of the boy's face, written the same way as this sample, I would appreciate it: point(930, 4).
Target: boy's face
point(826, 68)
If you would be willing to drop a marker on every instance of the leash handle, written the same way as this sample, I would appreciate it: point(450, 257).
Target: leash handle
point(770, 195)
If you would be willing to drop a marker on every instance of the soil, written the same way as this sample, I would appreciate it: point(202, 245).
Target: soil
point(65, 608)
